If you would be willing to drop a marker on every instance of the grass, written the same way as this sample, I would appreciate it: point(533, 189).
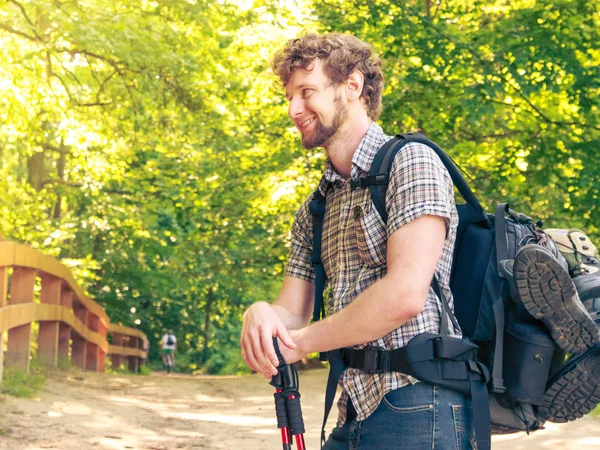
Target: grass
point(20, 384)
point(123, 369)
point(596, 412)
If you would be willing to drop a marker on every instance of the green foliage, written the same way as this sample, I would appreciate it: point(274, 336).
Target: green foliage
point(143, 145)
point(509, 89)
point(227, 362)
point(144, 370)
point(146, 145)
point(20, 384)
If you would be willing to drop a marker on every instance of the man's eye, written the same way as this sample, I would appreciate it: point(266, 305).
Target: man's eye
point(306, 91)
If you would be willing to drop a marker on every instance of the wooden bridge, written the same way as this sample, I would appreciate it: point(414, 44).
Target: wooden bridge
point(72, 327)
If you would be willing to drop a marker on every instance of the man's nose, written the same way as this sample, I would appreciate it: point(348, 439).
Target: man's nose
point(296, 107)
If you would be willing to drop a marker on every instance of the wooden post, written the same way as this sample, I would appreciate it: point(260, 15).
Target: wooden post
point(79, 349)
point(91, 360)
point(101, 353)
point(19, 338)
point(3, 290)
point(48, 333)
point(133, 360)
point(64, 331)
point(117, 339)
point(141, 361)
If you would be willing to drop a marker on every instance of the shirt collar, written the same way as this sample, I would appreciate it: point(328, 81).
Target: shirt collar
point(362, 158)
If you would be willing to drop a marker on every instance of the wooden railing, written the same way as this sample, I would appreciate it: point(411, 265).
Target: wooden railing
point(66, 316)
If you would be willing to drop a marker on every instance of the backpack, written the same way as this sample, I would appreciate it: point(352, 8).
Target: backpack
point(505, 356)
point(170, 340)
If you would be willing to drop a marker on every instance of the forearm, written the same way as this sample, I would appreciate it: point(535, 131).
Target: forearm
point(290, 320)
point(294, 303)
point(376, 312)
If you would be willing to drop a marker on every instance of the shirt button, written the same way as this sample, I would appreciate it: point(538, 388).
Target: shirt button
point(358, 212)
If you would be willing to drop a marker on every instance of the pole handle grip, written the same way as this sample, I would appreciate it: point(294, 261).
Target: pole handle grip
point(278, 353)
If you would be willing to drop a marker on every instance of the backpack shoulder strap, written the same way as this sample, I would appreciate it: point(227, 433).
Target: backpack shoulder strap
point(317, 211)
point(378, 180)
point(379, 174)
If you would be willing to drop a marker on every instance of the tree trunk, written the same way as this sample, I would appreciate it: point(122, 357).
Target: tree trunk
point(35, 170)
point(206, 331)
point(62, 158)
point(428, 8)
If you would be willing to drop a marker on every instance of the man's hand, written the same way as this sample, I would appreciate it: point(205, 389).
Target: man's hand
point(291, 355)
point(261, 324)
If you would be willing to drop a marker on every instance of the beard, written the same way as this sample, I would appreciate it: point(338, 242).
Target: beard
point(322, 134)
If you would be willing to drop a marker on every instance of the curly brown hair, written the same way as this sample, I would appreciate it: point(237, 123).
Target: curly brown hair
point(341, 54)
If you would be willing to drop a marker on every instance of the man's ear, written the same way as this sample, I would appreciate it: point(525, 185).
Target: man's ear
point(354, 85)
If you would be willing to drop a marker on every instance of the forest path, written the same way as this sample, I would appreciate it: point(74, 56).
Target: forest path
point(81, 411)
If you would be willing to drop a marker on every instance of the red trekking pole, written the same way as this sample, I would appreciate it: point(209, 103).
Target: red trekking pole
point(287, 403)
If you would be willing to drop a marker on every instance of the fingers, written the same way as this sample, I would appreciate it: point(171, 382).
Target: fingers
point(268, 359)
point(258, 352)
point(270, 352)
point(285, 337)
point(250, 358)
point(259, 327)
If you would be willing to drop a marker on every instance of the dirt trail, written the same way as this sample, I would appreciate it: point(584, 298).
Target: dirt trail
point(80, 411)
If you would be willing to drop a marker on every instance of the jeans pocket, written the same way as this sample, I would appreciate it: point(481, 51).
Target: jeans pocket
point(409, 399)
point(463, 427)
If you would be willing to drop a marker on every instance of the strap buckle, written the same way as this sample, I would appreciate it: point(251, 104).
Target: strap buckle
point(382, 179)
point(498, 386)
point(375, 360)
point(438, 347)
point(371, 180)
point(358, 183)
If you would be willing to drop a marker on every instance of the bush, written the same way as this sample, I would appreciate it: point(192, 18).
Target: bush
point(20, 384)
point(228, 362)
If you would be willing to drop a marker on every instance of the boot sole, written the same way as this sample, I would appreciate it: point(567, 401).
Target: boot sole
point(548, 293)
point(575, 390)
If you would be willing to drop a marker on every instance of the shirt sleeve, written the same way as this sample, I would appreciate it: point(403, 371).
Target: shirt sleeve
point(300, 257)
point(419, 185)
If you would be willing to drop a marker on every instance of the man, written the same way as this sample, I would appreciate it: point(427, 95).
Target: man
point(379, 273)
point(168, 347)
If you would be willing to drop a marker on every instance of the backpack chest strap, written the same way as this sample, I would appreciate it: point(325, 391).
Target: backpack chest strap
point(370, 180)
point(427, 348)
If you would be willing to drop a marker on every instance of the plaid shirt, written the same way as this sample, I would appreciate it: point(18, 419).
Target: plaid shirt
point(354, 249)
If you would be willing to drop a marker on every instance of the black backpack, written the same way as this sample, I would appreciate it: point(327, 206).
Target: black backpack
point(170, 340)
point(504, 359)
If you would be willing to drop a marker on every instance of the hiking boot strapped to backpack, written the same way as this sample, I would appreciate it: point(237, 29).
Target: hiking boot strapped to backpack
point(574, 390)
point(502, 345)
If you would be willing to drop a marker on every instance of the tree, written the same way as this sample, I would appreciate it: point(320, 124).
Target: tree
point(147, 145)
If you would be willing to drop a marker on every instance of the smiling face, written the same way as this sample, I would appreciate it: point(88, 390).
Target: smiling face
point(316, 106)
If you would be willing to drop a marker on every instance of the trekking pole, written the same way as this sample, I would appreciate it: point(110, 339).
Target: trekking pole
point(287, 403)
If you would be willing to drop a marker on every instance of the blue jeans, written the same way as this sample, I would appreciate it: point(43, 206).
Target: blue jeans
point(414, 417)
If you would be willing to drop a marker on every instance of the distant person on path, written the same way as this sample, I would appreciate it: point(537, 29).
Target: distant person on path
point(168, 347)
point(379, 273)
